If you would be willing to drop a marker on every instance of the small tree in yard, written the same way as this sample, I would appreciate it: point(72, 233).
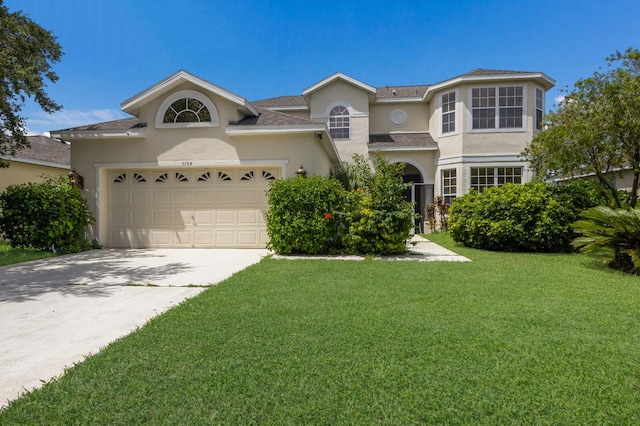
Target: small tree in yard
point(50, 215)
point(596, 129)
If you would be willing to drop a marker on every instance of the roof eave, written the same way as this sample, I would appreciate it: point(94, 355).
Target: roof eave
point(100, 134)
point(339, 76)
point(546, 81)
point(133, 104)
point(402, 148)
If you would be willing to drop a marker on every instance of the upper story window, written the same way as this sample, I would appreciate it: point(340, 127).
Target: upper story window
point(339, 122)
point(187, 108)
point(448, 101)
point(539, 108)
point(497, 107)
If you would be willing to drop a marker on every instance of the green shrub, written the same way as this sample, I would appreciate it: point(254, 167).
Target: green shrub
point(50, 215)
point(304, 215)
point(616, 230)
point(533, 217)
point(379, 219)
point(317, 215)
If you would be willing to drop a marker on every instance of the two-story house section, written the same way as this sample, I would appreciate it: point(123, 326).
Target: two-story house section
point(462, 133)
point(191, 165)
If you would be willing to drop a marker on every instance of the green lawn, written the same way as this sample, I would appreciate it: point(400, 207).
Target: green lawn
point(505, 339)
point(10, 255)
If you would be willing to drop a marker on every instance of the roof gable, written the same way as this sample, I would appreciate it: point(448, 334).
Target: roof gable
point(335, 77)
point(136, 102)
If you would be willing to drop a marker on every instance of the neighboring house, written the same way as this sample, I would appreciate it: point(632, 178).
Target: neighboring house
point(45, 157)
point(191, 167)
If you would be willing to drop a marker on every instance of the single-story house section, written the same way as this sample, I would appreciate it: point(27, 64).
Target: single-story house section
point(191, 166)
point(44, 157)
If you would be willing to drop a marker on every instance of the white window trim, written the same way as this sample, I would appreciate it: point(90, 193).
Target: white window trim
point(457, 192)
point(497, 129)
point(535, 115)
point(457, 112)
point(349, 108)
point(213, 111)
point(524, 177)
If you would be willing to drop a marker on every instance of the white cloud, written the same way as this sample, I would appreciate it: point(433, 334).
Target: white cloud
point(42, 123)
point(558, 99)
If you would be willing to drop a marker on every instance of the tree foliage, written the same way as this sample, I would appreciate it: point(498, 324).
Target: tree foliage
point(27, 52)
point(596, 129)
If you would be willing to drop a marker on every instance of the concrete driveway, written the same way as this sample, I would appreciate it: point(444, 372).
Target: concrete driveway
point(57, 311)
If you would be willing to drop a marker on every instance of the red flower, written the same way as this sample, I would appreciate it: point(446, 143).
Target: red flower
point(327, 215)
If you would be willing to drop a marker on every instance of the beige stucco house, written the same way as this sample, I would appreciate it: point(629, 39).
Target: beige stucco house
point(44, 157)
point(191, 167)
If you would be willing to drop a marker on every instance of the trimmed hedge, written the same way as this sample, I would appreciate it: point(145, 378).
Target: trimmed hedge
point(304, 215)
point(533, 217)
point(50, 215)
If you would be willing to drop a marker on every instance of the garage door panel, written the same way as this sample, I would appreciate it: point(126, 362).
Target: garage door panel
point(182, 196)
point(247, 217)
point(204, 238)
point(161, 237)
point(225, 217)
point(203, 196)
point(183, 238)
point(162, 196)
point(141, 218)
point(248, 238)
point(161, 217)
point(203, 217)
point(119, 217)
point(182, 217)
point(119, 198)
point(225, 196)
point(225, 237)
point(140, 197)
point(247, 196)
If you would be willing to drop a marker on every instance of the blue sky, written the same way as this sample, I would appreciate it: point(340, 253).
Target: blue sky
point(259, 49)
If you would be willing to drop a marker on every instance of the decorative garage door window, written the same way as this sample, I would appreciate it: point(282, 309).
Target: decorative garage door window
point(187, 176)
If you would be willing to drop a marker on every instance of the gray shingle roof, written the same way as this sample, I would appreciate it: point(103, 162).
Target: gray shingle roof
point(401, 91)
point(46, 149)
point(281, 101)
point(423, 139)
point(484, 71)
point(123, 124)
point(271, 118)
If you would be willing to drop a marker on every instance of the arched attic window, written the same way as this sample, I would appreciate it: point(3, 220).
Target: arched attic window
point(339, 122)
point(187, 108)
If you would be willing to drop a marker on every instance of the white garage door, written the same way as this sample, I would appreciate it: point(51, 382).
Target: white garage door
point(215, 207)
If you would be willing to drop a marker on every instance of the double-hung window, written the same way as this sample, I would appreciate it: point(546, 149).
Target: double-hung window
point(449, 185)
point(539, 106)
point(448, 101)
point(497, 107)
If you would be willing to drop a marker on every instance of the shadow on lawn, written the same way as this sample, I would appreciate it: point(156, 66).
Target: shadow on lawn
point(84, 274)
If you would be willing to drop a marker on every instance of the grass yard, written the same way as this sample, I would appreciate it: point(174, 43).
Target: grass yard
point(10, 255)
point(505, 339)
